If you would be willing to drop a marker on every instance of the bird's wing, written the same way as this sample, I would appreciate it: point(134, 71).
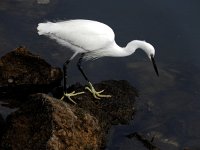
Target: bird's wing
point(82, 34)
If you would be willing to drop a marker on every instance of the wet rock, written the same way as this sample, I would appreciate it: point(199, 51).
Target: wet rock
point(119, 109)
point(47, 123)
point(22, 72)
point(44, 122)
point(115, 110)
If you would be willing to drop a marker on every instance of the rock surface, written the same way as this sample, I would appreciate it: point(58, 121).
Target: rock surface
point(44, 122)
point(23, 72)
point(47, 123)
point(115, 110)
point(119, 109)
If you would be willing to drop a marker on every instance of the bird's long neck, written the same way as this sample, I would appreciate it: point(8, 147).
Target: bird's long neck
point(125, 51)
point(133, 45)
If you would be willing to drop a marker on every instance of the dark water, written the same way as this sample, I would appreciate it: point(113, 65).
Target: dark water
point(168, 106)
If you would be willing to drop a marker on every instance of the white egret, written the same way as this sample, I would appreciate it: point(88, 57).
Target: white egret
point(92, 40)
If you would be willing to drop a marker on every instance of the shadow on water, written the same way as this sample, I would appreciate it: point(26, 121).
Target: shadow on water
point(168, 106)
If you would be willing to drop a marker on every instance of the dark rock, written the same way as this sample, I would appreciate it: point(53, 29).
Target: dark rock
point(119, 109)
point(44, 122)
point(47, 123)
point(116, 110)
point(23, 72)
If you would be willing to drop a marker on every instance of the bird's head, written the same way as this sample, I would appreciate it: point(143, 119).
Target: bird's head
point(146, 47)
point(150, 51)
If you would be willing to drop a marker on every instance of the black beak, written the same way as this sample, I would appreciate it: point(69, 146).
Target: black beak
point(154, 65)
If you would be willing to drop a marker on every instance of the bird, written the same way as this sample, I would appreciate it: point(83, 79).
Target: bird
point(91, 40)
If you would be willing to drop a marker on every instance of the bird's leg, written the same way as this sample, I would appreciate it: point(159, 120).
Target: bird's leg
point(65, 74)
point(68, 95)
point(90, 88)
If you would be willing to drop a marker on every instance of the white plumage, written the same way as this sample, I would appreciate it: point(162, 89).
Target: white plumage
point(93, 39)
point(80, 36)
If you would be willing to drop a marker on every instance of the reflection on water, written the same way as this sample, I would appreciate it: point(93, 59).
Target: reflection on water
point(168, 106)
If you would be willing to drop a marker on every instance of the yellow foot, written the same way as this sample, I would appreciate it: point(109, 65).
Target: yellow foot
point(69, 95)
point(96, 94)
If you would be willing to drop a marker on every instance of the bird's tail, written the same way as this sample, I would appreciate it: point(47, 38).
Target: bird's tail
point(45, 28)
